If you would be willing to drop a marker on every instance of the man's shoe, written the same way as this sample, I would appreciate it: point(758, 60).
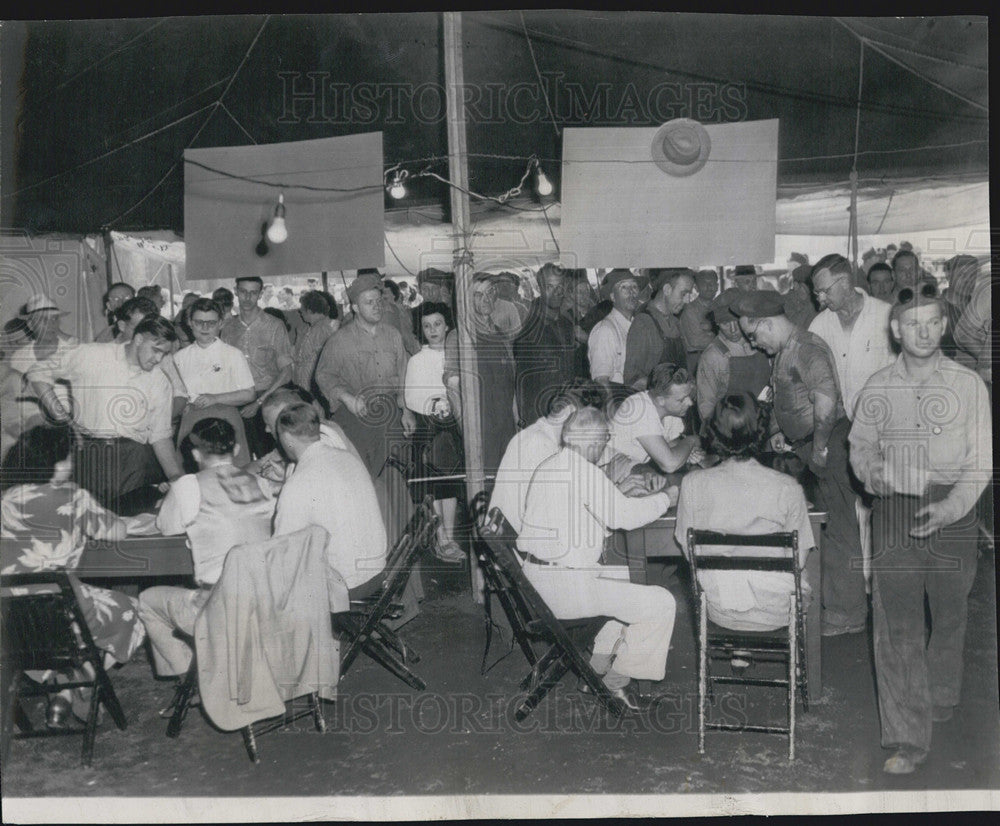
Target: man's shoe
point(59, 713)
point(905, 760)
point(940, 714)
point(634, 701)
point(837, 630)
point(449, 551)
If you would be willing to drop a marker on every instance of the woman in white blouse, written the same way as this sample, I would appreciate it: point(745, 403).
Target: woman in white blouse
point(437, 440)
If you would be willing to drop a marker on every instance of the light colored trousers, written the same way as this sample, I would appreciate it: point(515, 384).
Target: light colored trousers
point(644, 615)
point(164, 610)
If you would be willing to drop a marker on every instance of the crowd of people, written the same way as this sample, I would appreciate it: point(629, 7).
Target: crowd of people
point(862, 393)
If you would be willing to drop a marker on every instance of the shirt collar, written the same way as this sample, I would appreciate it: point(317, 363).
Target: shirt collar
point(899, 366)
point(616, 312)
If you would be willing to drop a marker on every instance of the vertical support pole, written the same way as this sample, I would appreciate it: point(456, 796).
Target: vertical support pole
point(108, 269)
point(326, 281)
point(458, 173)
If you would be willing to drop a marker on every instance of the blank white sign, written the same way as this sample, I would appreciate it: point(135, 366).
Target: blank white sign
point(619, 209)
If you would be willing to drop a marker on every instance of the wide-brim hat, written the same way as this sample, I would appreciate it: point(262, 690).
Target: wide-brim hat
point(614, 278)
point(41, 303)
point(681, 147)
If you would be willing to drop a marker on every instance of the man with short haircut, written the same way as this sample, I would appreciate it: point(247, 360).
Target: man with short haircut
point(570, 509)
point(853, 324)
point(129, 314)
point(922, 443)
point(218, 507)
point(226, 300)
point(607, 340)
point(509, 311)
point(331, 488)
point(655, 335)
point(730, 364)
point(881, 283)
point(265, 343)
point(394, 312)
point(809, 412)
point(153, 293)
point(695, 323)
point(544, 349)
point(117, 294)
point(905, 269)
point(315, 312)
point(215, 375)
point(648, 426)
point(121, 409)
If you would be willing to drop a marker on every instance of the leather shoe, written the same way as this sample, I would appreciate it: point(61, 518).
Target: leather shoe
point(940, 714)
point(905, 760)
point(59, 713)
point(634, 701)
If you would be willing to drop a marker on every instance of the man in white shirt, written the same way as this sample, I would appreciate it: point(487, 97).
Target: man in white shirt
point(216, 376)
point(331, 488)
point(648, 425)
point(606, 344)
point(218, 507)
point(121, 410)
point(571, 507)
point(855, 325)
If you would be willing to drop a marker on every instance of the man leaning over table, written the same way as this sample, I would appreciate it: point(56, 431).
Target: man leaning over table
point(570, 509)
point(218, 507)
point(120, 410)
point(922, 443)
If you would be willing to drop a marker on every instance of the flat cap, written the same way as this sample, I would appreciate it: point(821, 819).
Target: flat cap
point(614, 277)
point(759, 304)
point(722, 305)
point(802, 272)
point(363, 283)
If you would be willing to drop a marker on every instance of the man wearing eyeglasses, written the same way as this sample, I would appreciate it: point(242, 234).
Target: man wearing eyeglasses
point(216, 376)
point(268, 350)
point(809, 412)
point(922, 443)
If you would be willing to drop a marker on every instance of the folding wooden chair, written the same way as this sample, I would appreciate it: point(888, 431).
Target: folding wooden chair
point(786, 644)
point(532, 621)
point(363, 627)
point(47, 631)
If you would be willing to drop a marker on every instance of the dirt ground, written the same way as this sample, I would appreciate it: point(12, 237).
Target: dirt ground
point(460, 736)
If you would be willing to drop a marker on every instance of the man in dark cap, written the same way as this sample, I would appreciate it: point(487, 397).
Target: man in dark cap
point(695, 318)
point(730, 364)
point(655, 335)
point(436, 285)
point(509, 311)
point(745, 278)
point(809, 411)
point(606, 343)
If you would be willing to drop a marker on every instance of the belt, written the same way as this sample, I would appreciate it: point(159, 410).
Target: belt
point(534, 560)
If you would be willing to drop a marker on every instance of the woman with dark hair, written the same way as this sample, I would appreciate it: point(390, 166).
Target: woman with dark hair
point(739, 495)
point(436, 441)
point(47, 520)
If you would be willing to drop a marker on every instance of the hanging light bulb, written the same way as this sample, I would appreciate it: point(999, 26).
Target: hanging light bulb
point(397, 189)
point(277, 233)
point(543, 185)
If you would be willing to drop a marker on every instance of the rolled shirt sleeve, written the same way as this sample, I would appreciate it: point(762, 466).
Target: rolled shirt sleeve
point(331, 371)
point(180, 506)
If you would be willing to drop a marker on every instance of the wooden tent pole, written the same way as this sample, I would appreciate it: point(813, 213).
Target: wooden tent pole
point(326, 281)
point(108, 269)
point(458, 170)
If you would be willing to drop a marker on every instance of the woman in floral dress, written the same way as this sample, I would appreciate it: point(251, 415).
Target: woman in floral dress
point(49, 523)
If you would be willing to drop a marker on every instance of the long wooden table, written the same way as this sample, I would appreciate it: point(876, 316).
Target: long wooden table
point(136, 558)
point(656, 541)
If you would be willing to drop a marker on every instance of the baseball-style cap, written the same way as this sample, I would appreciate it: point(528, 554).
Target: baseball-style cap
point(759, 304)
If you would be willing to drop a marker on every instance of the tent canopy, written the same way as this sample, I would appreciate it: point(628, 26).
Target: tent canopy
point(131, 100)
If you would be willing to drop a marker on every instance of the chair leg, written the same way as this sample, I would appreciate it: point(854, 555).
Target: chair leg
point(182, 701)
point(539, 669)
point(793, 648)
point(317, 712)
point(90, 729)
point(406, 653)
point(250, 742)
point(382, 656)
point(552, 676)
point(109, 698)
point(702, 671)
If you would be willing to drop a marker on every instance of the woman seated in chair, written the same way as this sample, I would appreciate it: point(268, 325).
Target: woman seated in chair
point(50, 522)
point(741, 496)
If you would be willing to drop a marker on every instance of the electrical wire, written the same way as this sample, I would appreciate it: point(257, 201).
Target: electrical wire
point(400, 260)
point(538, 74)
